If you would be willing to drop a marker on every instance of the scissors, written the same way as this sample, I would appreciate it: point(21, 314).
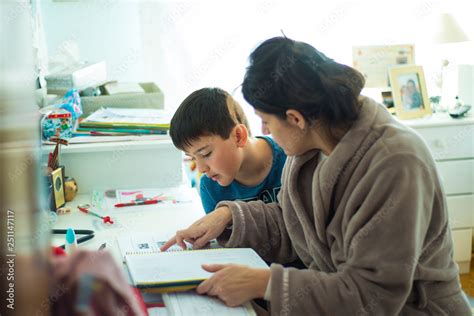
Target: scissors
point(86, 209)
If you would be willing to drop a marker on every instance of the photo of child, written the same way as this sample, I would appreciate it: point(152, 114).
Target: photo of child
point(410, 92)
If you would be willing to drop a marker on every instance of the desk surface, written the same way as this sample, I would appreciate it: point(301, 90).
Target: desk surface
point(156, 218)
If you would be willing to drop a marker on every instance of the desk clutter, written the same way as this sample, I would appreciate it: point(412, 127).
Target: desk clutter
point(105, 125)
point(109, 109)
point(136, 200)
point(178, 270)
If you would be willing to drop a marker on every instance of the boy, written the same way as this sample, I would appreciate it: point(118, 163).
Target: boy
point(211, 128)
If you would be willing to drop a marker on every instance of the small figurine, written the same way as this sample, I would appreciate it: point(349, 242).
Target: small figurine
point(70, 186)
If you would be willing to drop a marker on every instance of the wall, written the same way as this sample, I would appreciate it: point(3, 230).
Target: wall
point(96, 30)
point(185, 45)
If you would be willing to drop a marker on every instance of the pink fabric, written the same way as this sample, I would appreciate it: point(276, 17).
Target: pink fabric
point(90, 283)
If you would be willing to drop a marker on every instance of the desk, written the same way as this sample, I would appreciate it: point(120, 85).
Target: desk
point(157, 218)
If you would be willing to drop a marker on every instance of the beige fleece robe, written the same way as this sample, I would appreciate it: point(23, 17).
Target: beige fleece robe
point(369, 222)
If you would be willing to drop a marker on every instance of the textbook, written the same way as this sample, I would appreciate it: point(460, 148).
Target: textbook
point(182, 270)
point(191, 303)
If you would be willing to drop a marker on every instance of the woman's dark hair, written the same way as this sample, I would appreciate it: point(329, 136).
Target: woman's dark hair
point(286, 74)
point(205, 112)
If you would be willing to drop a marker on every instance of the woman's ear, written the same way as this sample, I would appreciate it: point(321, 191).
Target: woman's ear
point(295, 118)
point(241, 135)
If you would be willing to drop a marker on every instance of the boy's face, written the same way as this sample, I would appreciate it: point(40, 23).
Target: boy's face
point(218, 158)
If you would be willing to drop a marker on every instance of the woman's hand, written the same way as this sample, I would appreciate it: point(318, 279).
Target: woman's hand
point(234, 284)
point(203, 230)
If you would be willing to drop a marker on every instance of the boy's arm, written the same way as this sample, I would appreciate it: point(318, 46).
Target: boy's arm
point(261, 227)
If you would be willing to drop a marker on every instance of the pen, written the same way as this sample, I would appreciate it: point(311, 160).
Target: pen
point(85, 209)
point(71, 242)
point(77, 231)
point(102, 247)
point(137, 203)
point(79, 240)
point(94, 133)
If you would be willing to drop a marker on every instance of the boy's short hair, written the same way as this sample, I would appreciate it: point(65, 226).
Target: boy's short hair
point(205, 112)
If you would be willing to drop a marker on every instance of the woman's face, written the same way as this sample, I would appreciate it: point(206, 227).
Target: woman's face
point(288, 136)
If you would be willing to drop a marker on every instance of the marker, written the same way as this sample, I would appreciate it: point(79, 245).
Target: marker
point(71, 242)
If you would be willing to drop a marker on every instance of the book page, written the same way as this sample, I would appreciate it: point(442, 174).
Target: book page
point(143, 243)
point(172, 267)
point(157, 311)
point(191, 303)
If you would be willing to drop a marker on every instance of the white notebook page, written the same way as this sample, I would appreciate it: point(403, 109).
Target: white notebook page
point(186, 265)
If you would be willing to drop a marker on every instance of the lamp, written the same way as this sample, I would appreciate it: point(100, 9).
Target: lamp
point(446, 30)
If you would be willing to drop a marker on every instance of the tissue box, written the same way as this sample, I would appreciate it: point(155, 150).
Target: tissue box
point(76, 77)
point(57, 123)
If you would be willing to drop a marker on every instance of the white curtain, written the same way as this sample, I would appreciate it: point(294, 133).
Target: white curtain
point(188, 45)
point(39, 42)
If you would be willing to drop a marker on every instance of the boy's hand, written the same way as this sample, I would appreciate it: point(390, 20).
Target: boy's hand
point(203, 230)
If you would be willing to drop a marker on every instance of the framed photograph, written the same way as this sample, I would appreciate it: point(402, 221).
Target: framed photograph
point(410, 96)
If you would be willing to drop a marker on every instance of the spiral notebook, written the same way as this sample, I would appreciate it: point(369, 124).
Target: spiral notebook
point(149, 243)
point(144, 243)
point(182, 270)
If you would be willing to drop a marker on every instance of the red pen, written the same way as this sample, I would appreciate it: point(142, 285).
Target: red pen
point(146, 202)
point(85, 208)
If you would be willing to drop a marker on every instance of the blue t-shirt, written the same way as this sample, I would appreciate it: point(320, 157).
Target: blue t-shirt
point(267, 191)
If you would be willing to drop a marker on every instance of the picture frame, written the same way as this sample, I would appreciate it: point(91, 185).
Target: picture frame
point(409, 92)
point(57, 188)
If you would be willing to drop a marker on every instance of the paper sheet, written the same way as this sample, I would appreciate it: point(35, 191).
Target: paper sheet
point(191, 303)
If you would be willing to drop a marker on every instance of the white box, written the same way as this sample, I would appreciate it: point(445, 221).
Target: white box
point(77, 77)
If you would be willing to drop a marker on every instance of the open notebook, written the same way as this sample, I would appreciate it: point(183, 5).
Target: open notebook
point(143, 243)
point(181, 270)
point(147, 243)
point(191, 303)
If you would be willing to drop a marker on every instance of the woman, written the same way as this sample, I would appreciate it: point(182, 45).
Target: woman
point(361, 202)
